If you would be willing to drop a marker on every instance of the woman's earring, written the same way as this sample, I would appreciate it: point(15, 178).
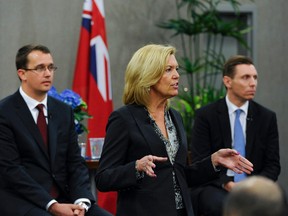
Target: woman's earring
point(148, 89)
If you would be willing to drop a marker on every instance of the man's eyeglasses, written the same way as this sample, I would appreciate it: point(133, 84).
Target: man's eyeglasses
point(42, 68)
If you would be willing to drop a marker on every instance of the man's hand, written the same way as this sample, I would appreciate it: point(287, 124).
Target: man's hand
point(61, 209)
point(229, 185)
point(79, 212)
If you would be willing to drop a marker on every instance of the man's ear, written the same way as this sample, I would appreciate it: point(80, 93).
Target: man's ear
point(21, 74)
point(227, 81)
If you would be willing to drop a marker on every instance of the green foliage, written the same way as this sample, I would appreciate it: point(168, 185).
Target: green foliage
point(201, 64)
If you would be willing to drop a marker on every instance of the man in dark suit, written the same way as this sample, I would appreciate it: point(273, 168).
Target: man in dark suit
point(214, 129)
point(40, 175)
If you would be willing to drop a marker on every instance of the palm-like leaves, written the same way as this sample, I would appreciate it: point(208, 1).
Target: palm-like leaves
point(202, 69)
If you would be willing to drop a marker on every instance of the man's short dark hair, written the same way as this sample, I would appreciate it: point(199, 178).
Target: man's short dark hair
point(21, 56)
point(231, 63)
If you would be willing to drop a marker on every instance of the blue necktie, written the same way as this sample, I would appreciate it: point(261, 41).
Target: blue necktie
point(239, 142)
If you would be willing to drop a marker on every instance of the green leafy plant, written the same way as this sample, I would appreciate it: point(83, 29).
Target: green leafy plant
point(201, 64)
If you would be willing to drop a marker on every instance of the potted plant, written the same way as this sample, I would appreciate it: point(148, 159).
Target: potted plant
point(201, 64)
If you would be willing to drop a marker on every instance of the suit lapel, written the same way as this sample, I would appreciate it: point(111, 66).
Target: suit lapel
point(145, 126)
point(24, 115)
point(223, 118)
point(226, 129)
point(179, 127)
point(52, 128)
point(250, 128)
point(182, 151)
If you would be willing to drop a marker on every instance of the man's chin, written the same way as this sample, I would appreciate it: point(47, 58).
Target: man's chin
point(250, 97)
point(46, 89)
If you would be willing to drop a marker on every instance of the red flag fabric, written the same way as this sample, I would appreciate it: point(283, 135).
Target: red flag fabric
point(92, 79)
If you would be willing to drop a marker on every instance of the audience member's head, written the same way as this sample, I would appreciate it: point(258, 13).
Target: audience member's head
point(255, 196)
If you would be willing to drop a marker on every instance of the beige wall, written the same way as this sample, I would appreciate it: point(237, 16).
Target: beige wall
point(131, 24)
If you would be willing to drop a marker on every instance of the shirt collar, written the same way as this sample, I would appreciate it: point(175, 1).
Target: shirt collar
point(32, 103)
point(232, 107)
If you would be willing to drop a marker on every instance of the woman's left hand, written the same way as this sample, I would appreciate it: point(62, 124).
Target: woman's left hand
point(231, 159)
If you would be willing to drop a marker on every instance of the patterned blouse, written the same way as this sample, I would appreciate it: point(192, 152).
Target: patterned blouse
point(172, 146)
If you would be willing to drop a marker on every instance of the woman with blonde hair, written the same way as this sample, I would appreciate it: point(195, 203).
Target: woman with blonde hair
point(145, 150)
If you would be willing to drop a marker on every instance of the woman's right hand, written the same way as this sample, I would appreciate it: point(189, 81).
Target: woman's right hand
point(146, 164)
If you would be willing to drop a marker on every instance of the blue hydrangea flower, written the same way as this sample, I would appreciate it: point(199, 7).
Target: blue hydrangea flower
point(71, 98)
point(53, 93)
point(78, 105)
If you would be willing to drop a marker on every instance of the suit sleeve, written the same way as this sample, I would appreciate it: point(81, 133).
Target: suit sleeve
point(114, 172)
point(268, 143)
point(201, 171)
point(202, 144)
point(13, 174)
point(77, 171)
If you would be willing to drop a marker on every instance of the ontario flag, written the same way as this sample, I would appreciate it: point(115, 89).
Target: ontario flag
point(92, 79)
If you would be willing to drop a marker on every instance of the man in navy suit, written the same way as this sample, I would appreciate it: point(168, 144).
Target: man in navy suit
point(39, 176)
point(214, 129)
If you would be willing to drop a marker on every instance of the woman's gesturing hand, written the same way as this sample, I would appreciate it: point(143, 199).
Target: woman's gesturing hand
point(231, 159)
point(146, 164)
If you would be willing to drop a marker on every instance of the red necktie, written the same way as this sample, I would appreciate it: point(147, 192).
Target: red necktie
point(41, 123)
